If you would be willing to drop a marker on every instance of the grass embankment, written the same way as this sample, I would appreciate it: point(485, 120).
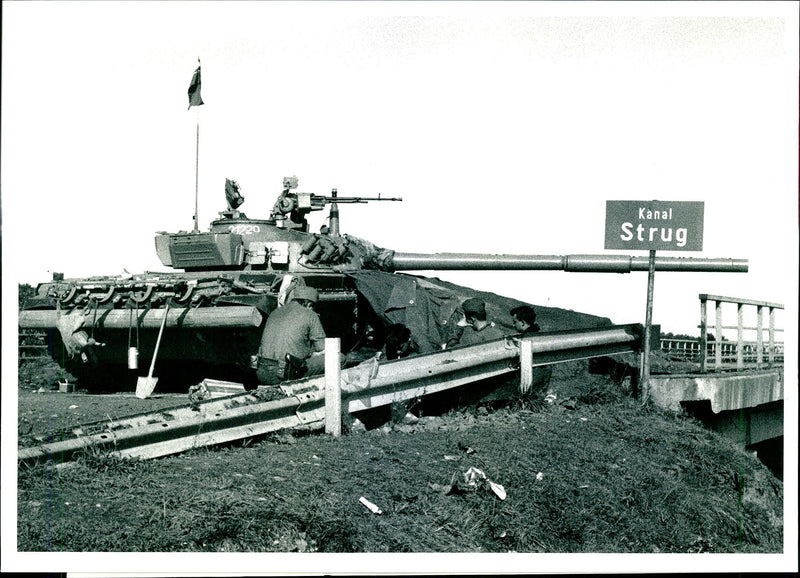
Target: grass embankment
point(603, 477)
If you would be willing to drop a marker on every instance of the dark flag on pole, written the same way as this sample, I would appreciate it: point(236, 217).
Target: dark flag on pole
point(194, 89)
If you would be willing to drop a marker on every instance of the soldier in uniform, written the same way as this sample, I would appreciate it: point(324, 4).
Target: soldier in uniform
point(478, 329)
point(293, 342)
point(524, 319)
point(399, 342)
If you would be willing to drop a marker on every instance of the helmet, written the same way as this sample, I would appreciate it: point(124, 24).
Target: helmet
point(304, 292)
point(474, 306)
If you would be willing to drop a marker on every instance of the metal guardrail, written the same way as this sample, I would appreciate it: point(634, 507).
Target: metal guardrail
point(214, 421)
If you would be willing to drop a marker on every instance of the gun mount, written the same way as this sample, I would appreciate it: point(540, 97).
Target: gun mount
point(290, 209)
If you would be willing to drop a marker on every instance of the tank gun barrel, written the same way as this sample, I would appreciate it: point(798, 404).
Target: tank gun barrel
point(573, 263)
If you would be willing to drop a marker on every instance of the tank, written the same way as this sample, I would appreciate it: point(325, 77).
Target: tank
point(211, 310)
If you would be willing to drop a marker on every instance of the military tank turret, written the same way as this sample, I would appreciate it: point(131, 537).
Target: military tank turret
point(231, 277)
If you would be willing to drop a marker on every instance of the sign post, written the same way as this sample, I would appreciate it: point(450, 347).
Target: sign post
point(653, 225)
point(648, 324)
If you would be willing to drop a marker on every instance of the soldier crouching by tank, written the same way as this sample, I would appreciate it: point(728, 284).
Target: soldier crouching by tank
point(399, 342)
point(293, 342)
point(479, 329)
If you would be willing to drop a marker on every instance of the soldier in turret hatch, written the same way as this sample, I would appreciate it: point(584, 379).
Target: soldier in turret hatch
point(478, 329)
point(293, 342)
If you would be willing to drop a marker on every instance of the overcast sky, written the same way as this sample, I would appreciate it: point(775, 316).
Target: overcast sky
point(504, 127)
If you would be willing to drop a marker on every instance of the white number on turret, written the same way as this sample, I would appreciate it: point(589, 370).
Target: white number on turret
point(244, 229)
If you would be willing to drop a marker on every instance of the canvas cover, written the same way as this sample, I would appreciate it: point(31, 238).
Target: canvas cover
point(430, 307)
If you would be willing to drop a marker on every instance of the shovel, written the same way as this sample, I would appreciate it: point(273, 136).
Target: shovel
point(146, 385)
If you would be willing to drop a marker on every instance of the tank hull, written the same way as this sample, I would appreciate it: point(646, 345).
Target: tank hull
point(184, 357)
point(93, 323)
point(217, 338)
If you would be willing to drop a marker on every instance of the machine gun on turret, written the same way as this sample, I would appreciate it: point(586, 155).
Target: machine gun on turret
point(290, 210)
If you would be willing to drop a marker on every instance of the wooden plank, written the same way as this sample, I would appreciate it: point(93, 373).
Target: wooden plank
point(771, 336)
point(704, 296)
point(703, 336)
point(739, 336)
point(760, 337)
point(718, 336)
point(745, 328)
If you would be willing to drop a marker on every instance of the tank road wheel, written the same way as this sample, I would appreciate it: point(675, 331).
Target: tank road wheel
point(140, 297)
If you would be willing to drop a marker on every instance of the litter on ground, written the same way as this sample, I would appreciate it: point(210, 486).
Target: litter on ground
point(370, 506)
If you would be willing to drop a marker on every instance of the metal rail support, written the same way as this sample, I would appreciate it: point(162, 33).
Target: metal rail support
point(525, 366)
point(333, 387)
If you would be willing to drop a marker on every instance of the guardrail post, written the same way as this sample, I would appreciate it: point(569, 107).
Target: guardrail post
point(333, 389)
point(525, 365)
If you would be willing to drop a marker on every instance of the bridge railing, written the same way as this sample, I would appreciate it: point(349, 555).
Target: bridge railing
point(681, 349)
point(689, 350)
point(737, 354)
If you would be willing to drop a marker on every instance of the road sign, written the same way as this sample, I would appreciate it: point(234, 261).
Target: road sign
point(654, 225)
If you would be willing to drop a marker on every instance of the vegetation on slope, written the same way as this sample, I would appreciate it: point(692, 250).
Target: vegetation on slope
point(598, 474)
